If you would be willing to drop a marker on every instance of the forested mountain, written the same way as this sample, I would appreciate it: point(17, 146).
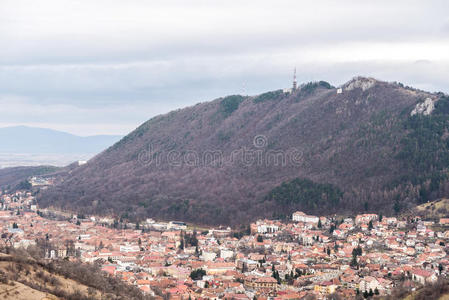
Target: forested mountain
point(369, 146)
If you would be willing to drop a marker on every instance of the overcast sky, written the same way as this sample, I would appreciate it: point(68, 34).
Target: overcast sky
point(105, 66)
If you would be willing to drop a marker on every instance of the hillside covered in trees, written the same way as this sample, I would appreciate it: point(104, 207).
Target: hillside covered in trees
point(25, 275)
point(13, 177)
point(317, 149)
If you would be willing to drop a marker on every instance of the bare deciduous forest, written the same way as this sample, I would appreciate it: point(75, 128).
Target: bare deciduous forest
point(359, 150)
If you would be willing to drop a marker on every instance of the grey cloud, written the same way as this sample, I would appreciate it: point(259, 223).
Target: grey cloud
point(113, 64)
point(212, 29)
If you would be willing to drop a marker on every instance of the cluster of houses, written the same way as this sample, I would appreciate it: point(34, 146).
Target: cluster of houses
point(41, 181)
point(308, 255)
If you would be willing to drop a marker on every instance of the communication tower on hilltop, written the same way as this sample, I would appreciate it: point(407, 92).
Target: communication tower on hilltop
point(295, 84)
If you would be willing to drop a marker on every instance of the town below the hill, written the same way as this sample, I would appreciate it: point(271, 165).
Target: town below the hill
point(366, 255)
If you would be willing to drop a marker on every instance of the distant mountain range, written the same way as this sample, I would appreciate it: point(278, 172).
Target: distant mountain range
point(23, 139)
point(367, 146)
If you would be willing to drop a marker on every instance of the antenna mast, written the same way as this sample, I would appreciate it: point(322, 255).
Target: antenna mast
point(294, 80)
